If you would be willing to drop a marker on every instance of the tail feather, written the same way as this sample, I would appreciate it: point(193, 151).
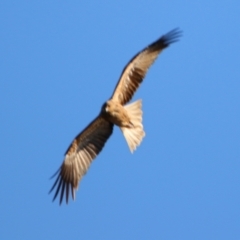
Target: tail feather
point(134, 134)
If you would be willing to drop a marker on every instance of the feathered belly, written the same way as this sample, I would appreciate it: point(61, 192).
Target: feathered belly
point(117, 114)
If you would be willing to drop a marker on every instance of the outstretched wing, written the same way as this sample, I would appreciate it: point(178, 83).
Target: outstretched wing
point(84, 148)
point(134, 72)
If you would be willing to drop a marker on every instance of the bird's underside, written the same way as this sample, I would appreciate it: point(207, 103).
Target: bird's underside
point(88, 144)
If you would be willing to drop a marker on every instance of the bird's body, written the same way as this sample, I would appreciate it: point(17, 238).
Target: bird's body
point(116, 113)
point(87, 145)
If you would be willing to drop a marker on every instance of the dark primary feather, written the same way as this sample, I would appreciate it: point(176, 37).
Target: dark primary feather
point(84, 148)
point(136, 69)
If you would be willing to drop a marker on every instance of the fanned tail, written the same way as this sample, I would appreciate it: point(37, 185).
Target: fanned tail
point(135, 133)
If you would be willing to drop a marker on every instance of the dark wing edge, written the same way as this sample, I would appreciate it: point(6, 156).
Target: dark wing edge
point(171, 37)
point(136, 69)
point(82, 151)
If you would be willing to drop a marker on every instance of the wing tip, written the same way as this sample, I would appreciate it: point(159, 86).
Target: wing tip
point(172, 36)
point(62, 189)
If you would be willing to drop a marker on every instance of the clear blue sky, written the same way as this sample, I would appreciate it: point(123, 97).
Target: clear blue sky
point(61, 60)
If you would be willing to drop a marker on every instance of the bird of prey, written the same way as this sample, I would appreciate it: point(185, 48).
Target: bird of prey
point(88, 144)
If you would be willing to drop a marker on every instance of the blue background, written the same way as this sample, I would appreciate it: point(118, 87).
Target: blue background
point(61, 60)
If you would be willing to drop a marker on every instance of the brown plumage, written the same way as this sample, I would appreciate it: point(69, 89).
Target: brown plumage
point(88, 144)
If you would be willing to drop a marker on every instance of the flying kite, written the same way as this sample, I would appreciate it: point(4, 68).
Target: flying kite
point(88, 144)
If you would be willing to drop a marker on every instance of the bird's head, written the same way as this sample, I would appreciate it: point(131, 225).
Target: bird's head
point(106, 107)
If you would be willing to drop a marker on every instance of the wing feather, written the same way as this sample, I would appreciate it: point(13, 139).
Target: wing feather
point(78, 157)
point(135, 71)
